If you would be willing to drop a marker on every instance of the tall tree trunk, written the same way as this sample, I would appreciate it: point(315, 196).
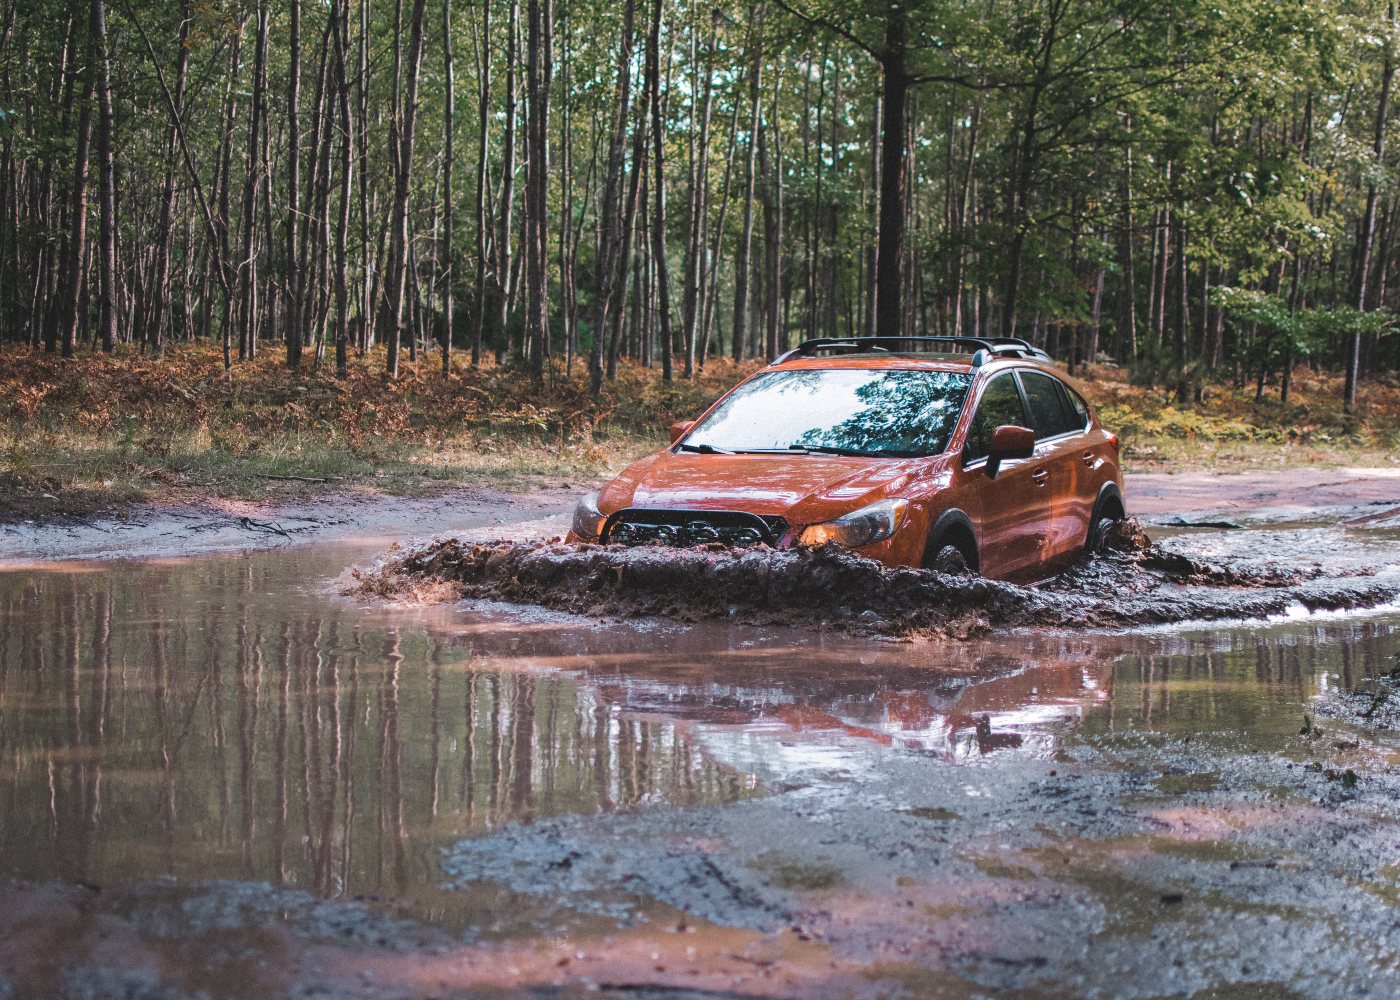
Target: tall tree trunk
point(609, 236)
point(347, 170)
point(699, 205)
point(257, 112)
point(401, 249)
point(502, 287)
point(628, 229)
point(743, 258)
point(658, 189)
point(889, 257)
point(538, 72)
point(483, 222)
point(1127, 299)
point(294, 270)
point(449, 199)
point(367, 273)
point(75, 253)
point(772, 171)
point(107, 184)
point(154, 338)
point(1367, 233)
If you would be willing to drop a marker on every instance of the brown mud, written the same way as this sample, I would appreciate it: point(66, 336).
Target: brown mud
point(1136, 583)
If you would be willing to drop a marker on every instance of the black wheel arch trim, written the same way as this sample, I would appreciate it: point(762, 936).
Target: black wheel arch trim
point(950, 520)
point(1107, 491)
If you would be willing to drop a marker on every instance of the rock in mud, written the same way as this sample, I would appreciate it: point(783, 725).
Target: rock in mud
point(1135, 583)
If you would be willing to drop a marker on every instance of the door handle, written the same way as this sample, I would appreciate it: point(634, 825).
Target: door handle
point(1089, 459)
point(1040, 476)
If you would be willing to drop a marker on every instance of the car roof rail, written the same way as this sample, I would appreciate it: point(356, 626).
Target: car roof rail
point(984, 348)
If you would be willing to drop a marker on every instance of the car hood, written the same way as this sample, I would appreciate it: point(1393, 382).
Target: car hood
point(804, 489)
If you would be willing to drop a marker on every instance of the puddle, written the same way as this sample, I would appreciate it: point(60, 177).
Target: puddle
point(222, 741)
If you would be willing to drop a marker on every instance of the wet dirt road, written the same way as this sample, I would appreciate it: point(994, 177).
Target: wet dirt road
point(219, 778)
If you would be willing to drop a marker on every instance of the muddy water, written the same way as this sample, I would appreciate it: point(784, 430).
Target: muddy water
point(229, 717)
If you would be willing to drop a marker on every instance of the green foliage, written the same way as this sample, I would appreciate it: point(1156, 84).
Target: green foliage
point(1284, 336)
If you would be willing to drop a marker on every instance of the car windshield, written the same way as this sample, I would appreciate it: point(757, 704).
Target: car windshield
point(847, 411)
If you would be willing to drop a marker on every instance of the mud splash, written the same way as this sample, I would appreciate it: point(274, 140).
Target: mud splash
point(1135, 584)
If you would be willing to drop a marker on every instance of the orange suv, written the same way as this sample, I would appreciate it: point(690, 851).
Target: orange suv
point(959, 454)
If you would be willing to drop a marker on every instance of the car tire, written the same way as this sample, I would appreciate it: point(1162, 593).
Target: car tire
point(1099, 532)
point(950, 560)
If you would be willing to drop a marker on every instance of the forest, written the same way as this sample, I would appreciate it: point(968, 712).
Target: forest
point(1198, 190)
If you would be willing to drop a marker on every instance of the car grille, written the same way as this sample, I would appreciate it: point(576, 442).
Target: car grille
point(685, 528)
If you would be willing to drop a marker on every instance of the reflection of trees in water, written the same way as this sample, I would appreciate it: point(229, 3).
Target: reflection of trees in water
point(904, 411)
point(142, 737)
point(1236, 688)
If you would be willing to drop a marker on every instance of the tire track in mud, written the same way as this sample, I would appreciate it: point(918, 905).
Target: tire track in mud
point(1134, 584)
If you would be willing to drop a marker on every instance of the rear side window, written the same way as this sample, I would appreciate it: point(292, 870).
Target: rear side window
point(1081, 408)
point(1000, 404)
point(1051, 412)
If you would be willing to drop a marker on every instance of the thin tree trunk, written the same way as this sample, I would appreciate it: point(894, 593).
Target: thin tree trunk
point(699, 206)
point(247, 340)
point(889, 259)
point(160, 292)
point(742, 260)
point(502, 286)
point(449, 270)
point(1367, 234)
point(608, 236)
point(347, 169)
point(107, 184)
point(482, 152)
point(658, 189)
point(294, 270)
point(538, 72)
point(75, 254)
point(401, 250)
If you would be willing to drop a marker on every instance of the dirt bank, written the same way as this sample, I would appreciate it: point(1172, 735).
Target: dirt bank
point(1202, 494)
point(153, 531)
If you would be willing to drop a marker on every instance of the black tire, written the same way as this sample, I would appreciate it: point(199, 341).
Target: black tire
point(950, 560)
point(1099, 532)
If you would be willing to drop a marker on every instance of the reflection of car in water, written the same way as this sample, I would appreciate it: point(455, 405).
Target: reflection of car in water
point(988, 461)
point(815, 723)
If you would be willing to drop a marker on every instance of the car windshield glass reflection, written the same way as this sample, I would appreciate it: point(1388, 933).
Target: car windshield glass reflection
point(840, 411)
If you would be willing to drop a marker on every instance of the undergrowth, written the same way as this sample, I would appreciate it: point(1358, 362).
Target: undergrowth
point(88, 434)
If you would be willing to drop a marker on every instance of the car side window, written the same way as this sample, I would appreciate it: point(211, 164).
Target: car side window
point(1000, 405)
point(1080, 408)
point(1051, 413)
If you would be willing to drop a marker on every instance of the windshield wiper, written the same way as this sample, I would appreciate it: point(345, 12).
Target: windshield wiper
point(703, 449)
point(825, 450)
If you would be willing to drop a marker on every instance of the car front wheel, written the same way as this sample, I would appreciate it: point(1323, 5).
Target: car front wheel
point(950, 560)
point(1099, 533)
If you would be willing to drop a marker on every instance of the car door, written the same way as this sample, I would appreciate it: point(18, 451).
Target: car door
point(1059, 453)
point(1012, 504)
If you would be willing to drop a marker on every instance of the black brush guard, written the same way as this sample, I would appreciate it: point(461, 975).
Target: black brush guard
point(689, 528)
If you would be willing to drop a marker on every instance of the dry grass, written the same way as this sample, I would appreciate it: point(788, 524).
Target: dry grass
point(98, 432)
point(1228, 429)
point(94, 433)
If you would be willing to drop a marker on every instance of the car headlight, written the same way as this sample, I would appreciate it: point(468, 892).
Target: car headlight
point(588, 519)
point(858, 528)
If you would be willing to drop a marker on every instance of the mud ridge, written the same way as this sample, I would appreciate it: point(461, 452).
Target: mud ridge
point(1134, 584)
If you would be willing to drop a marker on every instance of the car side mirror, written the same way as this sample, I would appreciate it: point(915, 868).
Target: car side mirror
point(680, 429)
point(1009, 441)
